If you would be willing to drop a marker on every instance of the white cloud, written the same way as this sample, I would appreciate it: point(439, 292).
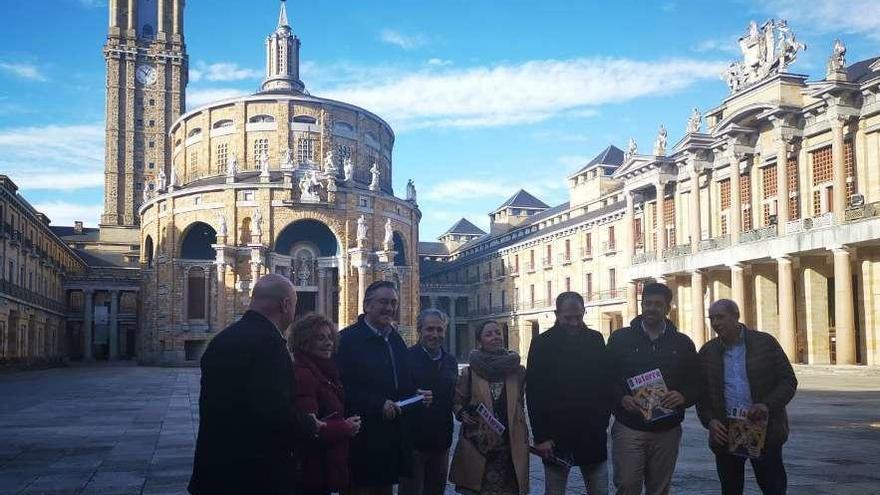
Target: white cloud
point(54, 157)
point(198, 97)
point(522, 93)
point(396, 38)
point(726, 45)
point(93, 3)
point(465, 190)
point(860, 17)
point(438, 62)
point(23, 70)
point(222, 71)
point(65, 213)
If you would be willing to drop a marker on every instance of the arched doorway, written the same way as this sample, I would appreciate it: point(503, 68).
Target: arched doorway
point(197, 242)
point(306, 251)
point(148, 251)
point(399, 250)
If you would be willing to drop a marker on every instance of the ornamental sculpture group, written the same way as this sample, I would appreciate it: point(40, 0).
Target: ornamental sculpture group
point(766, 51)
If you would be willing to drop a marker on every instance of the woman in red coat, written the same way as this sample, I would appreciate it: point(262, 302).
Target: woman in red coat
point(319, 391)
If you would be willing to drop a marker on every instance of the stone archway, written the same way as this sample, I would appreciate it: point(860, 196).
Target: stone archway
point(197, 240)
point(307, 252)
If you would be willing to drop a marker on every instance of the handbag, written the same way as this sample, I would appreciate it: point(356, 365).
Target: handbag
point(481, 436)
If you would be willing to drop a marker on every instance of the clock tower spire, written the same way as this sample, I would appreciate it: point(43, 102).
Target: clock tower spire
point(146, 91)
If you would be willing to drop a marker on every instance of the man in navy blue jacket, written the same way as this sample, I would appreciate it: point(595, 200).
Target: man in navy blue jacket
point(436, 370)
point(373, 362)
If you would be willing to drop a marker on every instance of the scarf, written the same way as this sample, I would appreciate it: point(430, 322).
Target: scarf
point(324, 369)
point(494, 366)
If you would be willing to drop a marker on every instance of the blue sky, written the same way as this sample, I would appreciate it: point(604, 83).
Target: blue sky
point(485, 96)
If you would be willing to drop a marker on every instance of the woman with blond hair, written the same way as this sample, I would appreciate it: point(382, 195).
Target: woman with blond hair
point(312, 342)
point(492, 454)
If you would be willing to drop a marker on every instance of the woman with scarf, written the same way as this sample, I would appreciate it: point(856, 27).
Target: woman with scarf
point(492, 454)
point(319, 391)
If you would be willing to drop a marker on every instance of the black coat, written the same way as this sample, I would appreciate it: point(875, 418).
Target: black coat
point(568, 393)
point(431, 427)
point(248, 424)
point(380, 452)
point(632, 353)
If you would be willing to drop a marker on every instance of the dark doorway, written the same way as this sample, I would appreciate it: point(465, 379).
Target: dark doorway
point(306, 302)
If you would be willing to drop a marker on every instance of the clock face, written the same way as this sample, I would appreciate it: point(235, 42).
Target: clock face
point(146, 75)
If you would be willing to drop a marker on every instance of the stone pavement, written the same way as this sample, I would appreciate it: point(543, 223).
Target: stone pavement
point(120, 430)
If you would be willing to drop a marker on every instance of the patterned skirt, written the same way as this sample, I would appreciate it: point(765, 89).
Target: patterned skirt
point(499, 478)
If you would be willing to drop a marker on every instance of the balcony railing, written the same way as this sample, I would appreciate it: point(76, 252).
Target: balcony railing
point(605, 295)
point(609, 247)
point(676, 251)
point(719, 242)
point(805, 224)
point(530, 267)
point(646, 257)
point(6, 287)
point(527, 305)
point(547, 263)
point(565, 259)
point(870, 210)
point(761, 234)
point(586, 253)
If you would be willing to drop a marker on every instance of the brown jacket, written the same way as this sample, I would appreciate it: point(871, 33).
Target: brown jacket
point(771, 382)
point(467, 462)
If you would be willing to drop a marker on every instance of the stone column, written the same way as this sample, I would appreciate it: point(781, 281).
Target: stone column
point(322, 292)
point(839, 168)
point(114, 325)
point(628, 222)
point(738, 288)
point(782, 192)
point(221, 295)
point(632, 299)
point(660, 219)
point(787, 317)
point(698, 314)
point(696, 230)
point(362, 287)
point(735, 224)
point(844, 327)
point(160, 25)
point(132, 19)
point(88, 338)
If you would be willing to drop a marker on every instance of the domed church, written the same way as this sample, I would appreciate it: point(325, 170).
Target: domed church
point(276, 182)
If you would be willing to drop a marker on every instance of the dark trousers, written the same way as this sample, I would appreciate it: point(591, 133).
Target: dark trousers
point(769, 472)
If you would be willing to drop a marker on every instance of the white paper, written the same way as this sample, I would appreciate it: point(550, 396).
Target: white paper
point(412, 400)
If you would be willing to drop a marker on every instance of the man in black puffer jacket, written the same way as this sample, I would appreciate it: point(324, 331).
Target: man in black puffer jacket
point(645, 452)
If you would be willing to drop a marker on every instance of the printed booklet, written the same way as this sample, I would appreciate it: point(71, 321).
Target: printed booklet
point(745, 438)
point(649, 389)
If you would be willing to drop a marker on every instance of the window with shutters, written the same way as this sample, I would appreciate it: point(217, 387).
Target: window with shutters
point(768, 193)
point(588, 286)
point(305, 150)
point(669, 219)
point(261, 146)
point(849, 164)
point(746, 201)
point(221, 156)
point(823, 179)
point(794, 211)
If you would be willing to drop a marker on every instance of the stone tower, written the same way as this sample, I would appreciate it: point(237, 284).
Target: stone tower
point(282, 57)
point(146, 83)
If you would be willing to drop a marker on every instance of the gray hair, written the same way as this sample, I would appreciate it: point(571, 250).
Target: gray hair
point(429, 312)
point(727, 305)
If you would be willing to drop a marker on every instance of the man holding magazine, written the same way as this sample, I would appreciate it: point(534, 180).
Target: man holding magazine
point(748, 382)
point(654, 377)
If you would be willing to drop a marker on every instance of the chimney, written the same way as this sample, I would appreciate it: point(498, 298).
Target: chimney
point(78, 227)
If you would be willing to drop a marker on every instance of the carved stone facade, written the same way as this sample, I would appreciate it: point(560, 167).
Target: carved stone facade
point(259, 190)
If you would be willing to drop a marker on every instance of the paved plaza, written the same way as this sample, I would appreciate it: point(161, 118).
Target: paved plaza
point(132, 430)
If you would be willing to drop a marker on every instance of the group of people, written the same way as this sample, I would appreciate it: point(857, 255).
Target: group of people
point(295, 407)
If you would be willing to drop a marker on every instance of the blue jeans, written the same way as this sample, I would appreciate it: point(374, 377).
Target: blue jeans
point(769, 472)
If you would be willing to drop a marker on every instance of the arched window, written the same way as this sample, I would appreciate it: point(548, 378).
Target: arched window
point(223, 123)
point(194, 132)
point(196, 294)
point(148, 251)
point(400, 250)
point(261, 119)
point(305, 119)
point(197, 242)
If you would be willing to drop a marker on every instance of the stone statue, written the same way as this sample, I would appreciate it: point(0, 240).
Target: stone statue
point(362, 229)
point(287, 159)
point(660, 144)
point(695, 121)
point(257, 221)
point(231, 166)
point(766, 51)
point(374, 181)
point(162, 179)
point(411, 191)
point(328, 160)
point(309, 185)
point(837, 60)
point(172, 178)
point(264, 164)
point(348, 169)
point(146, 194)
point(632, 149)
point(389, 235)
point(222, 228)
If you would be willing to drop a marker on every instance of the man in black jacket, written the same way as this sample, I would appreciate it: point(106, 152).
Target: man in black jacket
point(374, 366)
point(248, 424)
point(569, 398)
point(644, 452)
point(431, 428)
point(748, 370)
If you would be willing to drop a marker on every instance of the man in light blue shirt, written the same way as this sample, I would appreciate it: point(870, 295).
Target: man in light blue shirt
point(737, 393)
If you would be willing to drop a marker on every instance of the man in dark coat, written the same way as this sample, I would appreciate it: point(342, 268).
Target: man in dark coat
point(745, 369)
point(644, 452)
point(248, 423)
point(569, 398)
point(374, 365)
point(436, 370)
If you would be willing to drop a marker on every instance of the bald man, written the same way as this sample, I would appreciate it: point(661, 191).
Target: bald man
point(249, 427)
